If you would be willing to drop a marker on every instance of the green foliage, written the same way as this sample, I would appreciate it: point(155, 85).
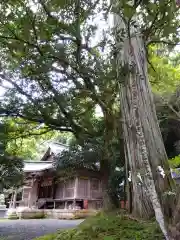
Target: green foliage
point(29, 147)
point(174, 162)
point(56, 68)
point(24, 148)
point(23, 139)
point(53, 78)
point(175, 60)
point(158, 20)
point(10, 166)
point(56, 76)
point(109, 227)
point(164, 76)
point(48, 237)
point(168, 108)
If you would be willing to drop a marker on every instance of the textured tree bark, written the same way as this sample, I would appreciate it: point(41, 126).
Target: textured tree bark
point(146, 180)
point(174, 226)
point(144, 147)
point(132, 56)
point(141, 204)
point(105, 173)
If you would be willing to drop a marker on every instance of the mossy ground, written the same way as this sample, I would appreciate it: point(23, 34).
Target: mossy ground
point(109, 227)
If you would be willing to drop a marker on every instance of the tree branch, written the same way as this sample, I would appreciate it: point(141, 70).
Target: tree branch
point(20, 90)
point(6, 113)
point(154, 41)
point(148, 31)
point(153, 25)
point(85, 76)
point(46, 10)
point(29, 135)
point(15, 113)
point(16, 38)
point(171, 107)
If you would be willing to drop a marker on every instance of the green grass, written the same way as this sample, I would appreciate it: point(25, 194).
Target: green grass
point(109, 227)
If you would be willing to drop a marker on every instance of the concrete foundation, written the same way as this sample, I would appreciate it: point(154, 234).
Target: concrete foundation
point(55, 214)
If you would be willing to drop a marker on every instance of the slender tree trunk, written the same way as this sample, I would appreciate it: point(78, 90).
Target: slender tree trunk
point(14, 199)
point(106, 162)
point(105, 173)
point(11, 200)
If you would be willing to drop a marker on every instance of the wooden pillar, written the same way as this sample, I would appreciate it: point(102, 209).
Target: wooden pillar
point(89, 188)
point(38, 189)
point(30, 193)
point(63, 187)
point(14, 198)
point(76, 188)
point(74, 204)
point(29, 198)
point(11, 200)
point(75, 192)
point(54, 187)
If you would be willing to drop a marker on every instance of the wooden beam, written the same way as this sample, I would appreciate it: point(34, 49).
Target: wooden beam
point(14, 199)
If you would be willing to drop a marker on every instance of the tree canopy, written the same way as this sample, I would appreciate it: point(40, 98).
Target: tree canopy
point(57, 65)
point(54, 73)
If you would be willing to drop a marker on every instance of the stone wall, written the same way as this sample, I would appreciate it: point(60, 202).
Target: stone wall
point(69, 214)
point(56, 213)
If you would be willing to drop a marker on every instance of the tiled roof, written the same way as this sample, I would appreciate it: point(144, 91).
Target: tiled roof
point(37, 166)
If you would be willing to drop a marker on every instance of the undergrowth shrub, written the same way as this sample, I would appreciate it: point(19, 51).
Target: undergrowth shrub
point(110, 227)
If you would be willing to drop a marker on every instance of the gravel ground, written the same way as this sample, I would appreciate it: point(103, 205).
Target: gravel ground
point(29, 229)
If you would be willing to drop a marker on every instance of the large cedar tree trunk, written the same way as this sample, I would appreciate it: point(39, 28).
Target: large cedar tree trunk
point(135, 89)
